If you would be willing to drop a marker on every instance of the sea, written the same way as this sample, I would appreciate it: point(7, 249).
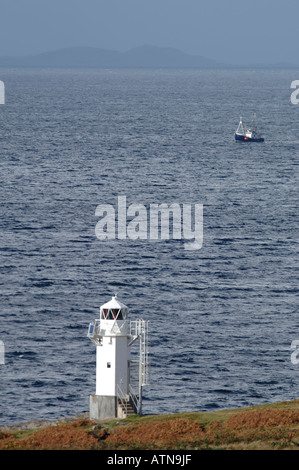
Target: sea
point(223, 318)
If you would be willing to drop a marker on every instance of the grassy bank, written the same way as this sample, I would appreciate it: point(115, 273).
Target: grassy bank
point(264, 427)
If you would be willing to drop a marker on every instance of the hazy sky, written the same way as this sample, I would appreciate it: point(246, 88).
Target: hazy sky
point(232, 31)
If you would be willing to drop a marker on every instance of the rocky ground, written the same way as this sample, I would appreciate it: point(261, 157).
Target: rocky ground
point(43, 423)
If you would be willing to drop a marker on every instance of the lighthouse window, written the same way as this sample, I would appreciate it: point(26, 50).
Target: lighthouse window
point(109, 315)
point(104, 313)
point(113, 314)
point(120, 315)
point(108, 365)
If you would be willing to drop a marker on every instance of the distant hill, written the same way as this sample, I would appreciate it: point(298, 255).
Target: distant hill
point(139, 57)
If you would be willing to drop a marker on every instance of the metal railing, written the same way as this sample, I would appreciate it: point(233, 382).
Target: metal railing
point(121, 398)
point(140, 329)
point(133, 398)
point(126, 400)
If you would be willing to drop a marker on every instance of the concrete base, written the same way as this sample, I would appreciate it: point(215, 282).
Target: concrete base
point(102, 407)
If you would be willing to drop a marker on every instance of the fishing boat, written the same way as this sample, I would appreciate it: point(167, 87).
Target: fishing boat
point(248, 135)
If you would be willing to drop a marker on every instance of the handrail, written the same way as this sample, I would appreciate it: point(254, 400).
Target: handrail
point(122, 400)
point(126, 399)
point(133, 397)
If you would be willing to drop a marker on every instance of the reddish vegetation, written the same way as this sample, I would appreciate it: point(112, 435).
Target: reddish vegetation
point(250, 429)
point(247, 426)
point(263, 418)
point(63, 436)
point(158, 433)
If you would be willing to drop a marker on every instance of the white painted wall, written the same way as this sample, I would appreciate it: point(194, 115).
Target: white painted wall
point(114, 352)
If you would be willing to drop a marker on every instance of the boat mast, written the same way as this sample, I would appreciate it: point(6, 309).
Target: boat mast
point(240, 129)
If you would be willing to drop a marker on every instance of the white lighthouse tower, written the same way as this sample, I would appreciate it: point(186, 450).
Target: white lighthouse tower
point(113, 336)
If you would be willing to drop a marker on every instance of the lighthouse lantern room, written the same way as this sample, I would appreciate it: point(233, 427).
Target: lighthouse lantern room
point(113, 336)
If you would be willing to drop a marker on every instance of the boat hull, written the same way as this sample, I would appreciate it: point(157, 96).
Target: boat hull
point(243, 138)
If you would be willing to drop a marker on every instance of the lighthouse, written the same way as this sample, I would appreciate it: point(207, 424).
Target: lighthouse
point(113, 334)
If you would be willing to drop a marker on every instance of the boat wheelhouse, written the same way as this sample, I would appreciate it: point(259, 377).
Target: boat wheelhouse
point(248, 134)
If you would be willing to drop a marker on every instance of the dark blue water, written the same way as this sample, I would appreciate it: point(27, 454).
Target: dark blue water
point(223, 317)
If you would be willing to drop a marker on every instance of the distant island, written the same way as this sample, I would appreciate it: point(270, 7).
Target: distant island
point(93, 57)
point(138, 57)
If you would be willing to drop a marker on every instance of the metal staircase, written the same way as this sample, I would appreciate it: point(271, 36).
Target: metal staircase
point(132, 403)
point(127, 405)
